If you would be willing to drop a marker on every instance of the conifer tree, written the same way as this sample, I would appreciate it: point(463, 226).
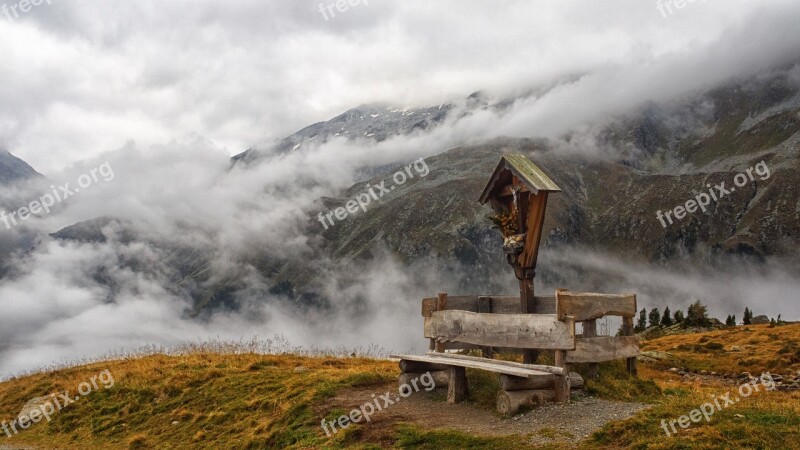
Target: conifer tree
point(666, 318)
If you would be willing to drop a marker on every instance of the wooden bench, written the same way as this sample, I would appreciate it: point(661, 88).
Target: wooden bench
point(490, 323)
point(521, 384)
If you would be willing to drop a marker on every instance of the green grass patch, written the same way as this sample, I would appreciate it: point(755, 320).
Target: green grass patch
point(412, 437)
point(615, 383)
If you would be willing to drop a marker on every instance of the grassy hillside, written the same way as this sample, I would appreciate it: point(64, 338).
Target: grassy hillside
point(752, 348)
point(218, 401)
point(255, 401)
point(761, 420)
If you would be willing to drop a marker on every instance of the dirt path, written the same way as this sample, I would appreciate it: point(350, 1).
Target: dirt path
point(546, 424)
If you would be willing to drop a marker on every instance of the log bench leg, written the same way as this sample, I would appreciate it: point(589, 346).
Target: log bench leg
point(457, 385)
point(631, 364)
point(561, 389)
point(440, 378)
point(510, 402)
point(590, 331)
point(627, 330)
point(561, 385)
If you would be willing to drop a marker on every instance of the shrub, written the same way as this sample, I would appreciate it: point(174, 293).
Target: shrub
point(697, 315)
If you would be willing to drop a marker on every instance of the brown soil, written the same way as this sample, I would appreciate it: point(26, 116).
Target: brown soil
point(546, 424)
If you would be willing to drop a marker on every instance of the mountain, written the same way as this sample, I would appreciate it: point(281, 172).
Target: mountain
point(365, 122)
point(185, 270)
point(13, 169)
point(377, 123)
point(650, 160)
point(614, 184)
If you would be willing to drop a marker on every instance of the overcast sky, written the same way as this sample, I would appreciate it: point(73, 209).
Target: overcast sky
point(80, 78)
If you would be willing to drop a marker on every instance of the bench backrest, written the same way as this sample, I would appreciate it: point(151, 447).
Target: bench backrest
point(465, 322)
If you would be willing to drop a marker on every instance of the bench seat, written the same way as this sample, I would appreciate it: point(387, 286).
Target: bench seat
point(491, 365)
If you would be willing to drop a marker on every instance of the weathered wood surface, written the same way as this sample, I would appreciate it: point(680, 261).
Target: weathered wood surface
point(440, 378)
point(561, 385)
point(510, 402)
point(489, 365)
point(587, 306)
point(537, 369)
point(465, 346)
point(603, 348)
point(627, 330)
point(457, 385)
point(512, 383)
point(485, 307)
point(535, 331)
point(441, 305)
point(502, 304)
point(590, 331)
point(419, 366)
point(535, 223)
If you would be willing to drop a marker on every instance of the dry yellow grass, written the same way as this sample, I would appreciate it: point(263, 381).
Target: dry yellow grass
point(764, 420)
point(218, 401)
point(210, 400)
point(760, 348)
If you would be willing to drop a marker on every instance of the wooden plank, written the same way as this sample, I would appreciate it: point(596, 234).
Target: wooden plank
point(500, 304)
point(534, 331)
point(464, 302)
point(458, 346)
point(603, 348)
point(547, 381)
point(419, 367)
point(535, 369)
point(485, 305)
point(587, 306)
point(490, 365)
point(457, 386)
point(441, 305)
point(535, 223)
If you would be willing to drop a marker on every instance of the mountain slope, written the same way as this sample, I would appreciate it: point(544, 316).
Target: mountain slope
point(650, 160)
point(13, 169)
point(234, 398)
point(376, 123)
